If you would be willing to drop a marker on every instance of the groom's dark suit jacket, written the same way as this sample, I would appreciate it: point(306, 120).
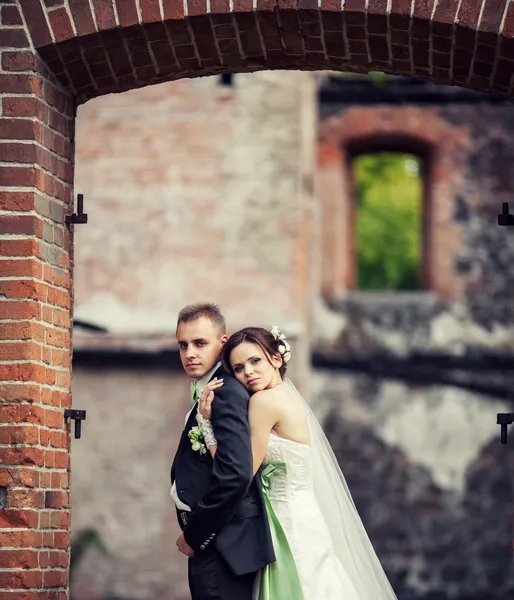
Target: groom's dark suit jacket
point(226, 500)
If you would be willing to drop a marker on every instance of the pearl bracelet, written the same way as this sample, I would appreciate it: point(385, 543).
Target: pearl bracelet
point(207, 430)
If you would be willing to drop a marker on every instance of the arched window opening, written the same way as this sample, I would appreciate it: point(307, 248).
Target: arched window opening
point(389, 190)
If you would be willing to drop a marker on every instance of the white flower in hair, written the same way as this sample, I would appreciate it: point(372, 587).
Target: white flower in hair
point(284, 348)
point(275, 332)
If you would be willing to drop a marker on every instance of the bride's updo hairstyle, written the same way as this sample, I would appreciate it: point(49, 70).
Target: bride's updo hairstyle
point(272, 343)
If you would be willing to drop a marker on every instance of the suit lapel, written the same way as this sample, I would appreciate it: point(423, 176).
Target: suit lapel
point(220, 373)
point(191, 418)
point(191, 421)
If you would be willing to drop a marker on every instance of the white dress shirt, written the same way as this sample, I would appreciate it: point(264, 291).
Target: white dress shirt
point(201, 383)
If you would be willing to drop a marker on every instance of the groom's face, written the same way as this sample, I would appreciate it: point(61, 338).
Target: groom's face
point(200, 343)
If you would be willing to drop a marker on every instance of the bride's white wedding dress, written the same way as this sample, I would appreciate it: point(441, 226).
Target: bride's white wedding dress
point(292, 497)
point(322, 549)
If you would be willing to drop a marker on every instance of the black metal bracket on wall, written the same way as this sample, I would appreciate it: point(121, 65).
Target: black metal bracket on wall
point(505, 219)
point(80, 217)
point(78, 416)
point(504, 420)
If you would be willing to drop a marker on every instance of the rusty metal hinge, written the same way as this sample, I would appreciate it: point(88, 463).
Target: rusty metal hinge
point(78, 416)
point(505, 219)
point(80, 217)
point(503, 420)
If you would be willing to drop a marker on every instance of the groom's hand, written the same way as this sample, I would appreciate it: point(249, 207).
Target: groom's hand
point(184, 547)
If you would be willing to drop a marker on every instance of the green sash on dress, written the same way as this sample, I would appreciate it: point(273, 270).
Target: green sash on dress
point(279, 580)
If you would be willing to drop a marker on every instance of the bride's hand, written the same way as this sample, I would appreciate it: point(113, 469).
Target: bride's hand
point(207, 397)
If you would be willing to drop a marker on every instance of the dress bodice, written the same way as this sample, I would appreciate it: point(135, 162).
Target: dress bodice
point(298, 472)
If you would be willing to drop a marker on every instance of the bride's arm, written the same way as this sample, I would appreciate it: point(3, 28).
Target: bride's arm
point(262, 417)
point(204, 414)
point(212, 449)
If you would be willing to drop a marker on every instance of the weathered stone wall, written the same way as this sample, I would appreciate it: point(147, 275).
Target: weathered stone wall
point(486, 179)
point(194, 191)
point(197, 191)
point(202, 173)
point(434, 485)
point(121, 480)
point(423, 461)
point(431, 481)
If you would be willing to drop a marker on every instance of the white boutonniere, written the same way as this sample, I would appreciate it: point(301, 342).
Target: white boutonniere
point(196, 437)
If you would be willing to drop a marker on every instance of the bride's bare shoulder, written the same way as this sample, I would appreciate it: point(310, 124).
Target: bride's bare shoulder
point(266, 397)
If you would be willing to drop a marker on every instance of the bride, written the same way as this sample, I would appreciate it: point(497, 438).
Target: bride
point(322, 549)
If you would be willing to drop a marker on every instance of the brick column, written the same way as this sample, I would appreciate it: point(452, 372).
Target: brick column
point(36, 127)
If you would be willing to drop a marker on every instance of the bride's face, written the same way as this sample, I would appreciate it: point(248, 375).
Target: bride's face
point(253, 368)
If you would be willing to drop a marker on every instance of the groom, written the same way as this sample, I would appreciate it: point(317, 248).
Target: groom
point(220, 507)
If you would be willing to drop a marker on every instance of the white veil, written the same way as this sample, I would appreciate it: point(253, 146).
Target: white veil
point(351, 542)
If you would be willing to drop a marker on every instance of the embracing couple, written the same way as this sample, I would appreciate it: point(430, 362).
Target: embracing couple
point(264, 508)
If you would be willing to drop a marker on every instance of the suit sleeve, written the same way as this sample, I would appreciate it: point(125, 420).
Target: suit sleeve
point(172, 472)
point(232, 471)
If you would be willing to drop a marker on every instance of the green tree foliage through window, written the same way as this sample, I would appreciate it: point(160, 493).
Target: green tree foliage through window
point(389, 191)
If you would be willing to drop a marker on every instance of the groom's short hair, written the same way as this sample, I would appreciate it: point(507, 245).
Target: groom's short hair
point(211, 310)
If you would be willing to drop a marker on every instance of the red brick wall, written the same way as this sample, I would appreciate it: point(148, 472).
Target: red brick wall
point(121, 483)
point(36, 128)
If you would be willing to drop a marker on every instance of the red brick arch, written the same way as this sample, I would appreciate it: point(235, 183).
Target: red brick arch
point(58, 53)
point(392, 129)
point(122, 44)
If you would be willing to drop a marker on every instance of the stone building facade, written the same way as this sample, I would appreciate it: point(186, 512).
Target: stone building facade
point(219, 176)
point(407, 384)
point(423, 457)
point(194, 190)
